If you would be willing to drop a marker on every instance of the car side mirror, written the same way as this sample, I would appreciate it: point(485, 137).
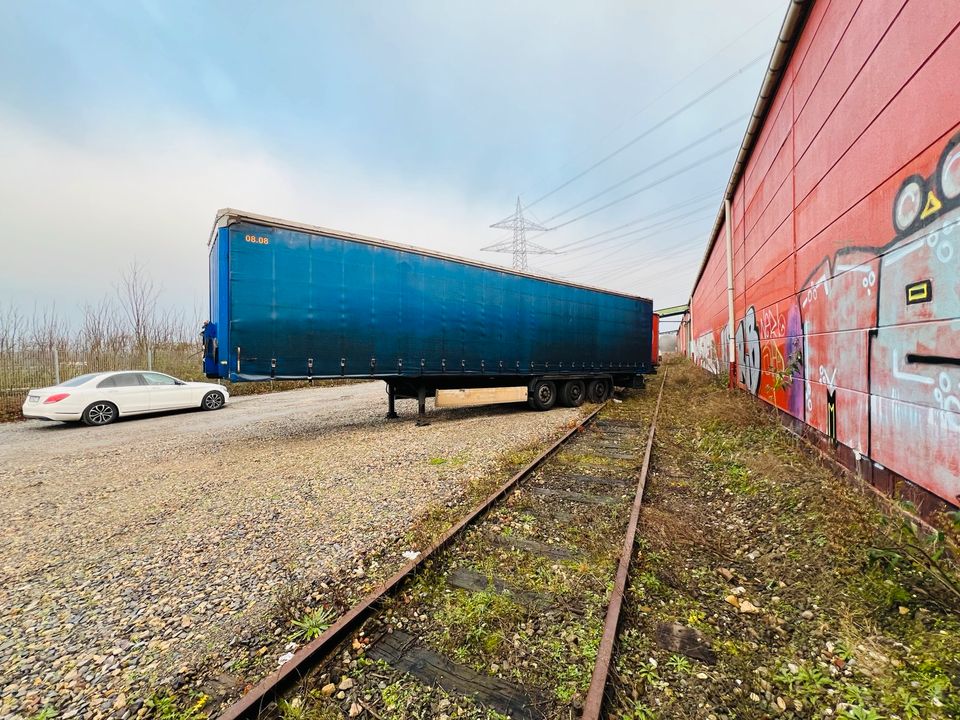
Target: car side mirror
point(179, 382)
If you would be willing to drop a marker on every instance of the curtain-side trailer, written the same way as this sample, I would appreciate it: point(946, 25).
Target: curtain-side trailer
point(296, 302)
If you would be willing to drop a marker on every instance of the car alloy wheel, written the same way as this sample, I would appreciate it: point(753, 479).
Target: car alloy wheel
point(212, 401)
point(101, 414)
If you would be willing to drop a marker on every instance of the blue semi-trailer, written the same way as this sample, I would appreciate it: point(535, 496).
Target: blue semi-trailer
point(296, 302)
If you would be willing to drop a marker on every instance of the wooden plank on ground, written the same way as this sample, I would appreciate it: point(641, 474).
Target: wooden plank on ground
point(401, 651)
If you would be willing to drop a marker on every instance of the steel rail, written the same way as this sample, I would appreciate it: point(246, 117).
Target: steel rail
point(593, 705)
point(252, 703)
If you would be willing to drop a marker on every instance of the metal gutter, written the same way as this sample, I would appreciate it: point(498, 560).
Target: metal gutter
point(786, 41)
point(228, 216)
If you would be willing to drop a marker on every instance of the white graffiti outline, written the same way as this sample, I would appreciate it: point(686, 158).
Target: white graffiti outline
point(909, 377)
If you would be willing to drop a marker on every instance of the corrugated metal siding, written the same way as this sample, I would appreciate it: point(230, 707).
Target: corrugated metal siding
point(824, 328)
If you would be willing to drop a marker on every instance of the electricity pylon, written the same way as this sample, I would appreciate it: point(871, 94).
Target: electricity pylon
point(519, 245)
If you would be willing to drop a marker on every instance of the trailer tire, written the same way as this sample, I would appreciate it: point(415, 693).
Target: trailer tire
point(543, 395)
point(598, 390)
point(572, 393)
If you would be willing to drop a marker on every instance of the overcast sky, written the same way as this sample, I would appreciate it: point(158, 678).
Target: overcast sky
point(125, 125)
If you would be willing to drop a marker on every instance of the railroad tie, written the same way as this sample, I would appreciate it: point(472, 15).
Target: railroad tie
point(535, 547)
point(467, 579)
point(613, 454)
point(612, 481)
point(574, 496)
point(617, 427)
point(401, 652)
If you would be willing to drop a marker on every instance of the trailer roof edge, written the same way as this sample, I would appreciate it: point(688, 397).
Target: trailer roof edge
point(790, 30)
point(227, 216)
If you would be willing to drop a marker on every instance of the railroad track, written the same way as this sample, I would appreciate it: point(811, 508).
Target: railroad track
point(509, 613)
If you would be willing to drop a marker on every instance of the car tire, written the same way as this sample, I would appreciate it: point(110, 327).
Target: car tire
point(100, 413)
point(598, 391)
point(213, 400)
point(543, 395)
point(572, 393)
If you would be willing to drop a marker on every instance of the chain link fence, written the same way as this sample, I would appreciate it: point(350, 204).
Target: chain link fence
point(23, 369)
point(27, 368)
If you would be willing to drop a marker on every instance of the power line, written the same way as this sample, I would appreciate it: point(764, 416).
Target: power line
point(618, 251)
point(650, 167)
point(653, 184)
point(655, 126)
point(690, 211)
point(680, 259)
point(619, 271)
point(776, 11)
point(631, 265)
point(644, 218)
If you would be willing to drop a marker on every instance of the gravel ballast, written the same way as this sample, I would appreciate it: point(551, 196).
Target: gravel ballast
point(131, 552)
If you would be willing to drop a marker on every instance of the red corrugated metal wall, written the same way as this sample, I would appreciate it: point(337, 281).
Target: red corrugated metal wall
point(847, 240)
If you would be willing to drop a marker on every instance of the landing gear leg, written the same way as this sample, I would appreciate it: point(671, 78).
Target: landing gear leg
point(422, 407)
point(391, 402)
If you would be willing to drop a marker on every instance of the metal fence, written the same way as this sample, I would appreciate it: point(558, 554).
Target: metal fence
point(23, 369)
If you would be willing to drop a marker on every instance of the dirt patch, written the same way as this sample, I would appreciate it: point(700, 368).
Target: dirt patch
point(812, 602)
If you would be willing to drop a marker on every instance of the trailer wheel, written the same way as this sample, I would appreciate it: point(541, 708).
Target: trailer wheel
point(598, 391)
point(544, 395)
point(572, 393)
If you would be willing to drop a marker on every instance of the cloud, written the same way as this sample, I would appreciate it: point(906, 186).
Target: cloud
point(76, 214)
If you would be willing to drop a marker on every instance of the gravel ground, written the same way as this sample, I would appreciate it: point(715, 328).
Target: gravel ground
point(128, 552)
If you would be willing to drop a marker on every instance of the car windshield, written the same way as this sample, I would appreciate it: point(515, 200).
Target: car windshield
point(78, 380)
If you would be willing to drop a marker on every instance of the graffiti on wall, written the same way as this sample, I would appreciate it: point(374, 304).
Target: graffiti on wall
point(748, 351)
point(882, 336)
point(867, 350)
point(711, 351)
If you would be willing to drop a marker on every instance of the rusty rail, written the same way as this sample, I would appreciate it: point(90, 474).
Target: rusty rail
point(270, 688)
point(593, 705)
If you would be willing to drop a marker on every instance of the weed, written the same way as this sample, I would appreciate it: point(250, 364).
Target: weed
point(910, 706)
point(240, 665)
point(650, 582)
point(639, 711)
point(313, 624)
point(647, 672)
point(858, 712)
point(166, 706)
point(292, 709)
point(907, 542)
point(679, 664)
point(728, 480)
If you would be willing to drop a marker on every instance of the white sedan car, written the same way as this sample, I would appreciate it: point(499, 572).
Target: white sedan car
point(100, 398)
